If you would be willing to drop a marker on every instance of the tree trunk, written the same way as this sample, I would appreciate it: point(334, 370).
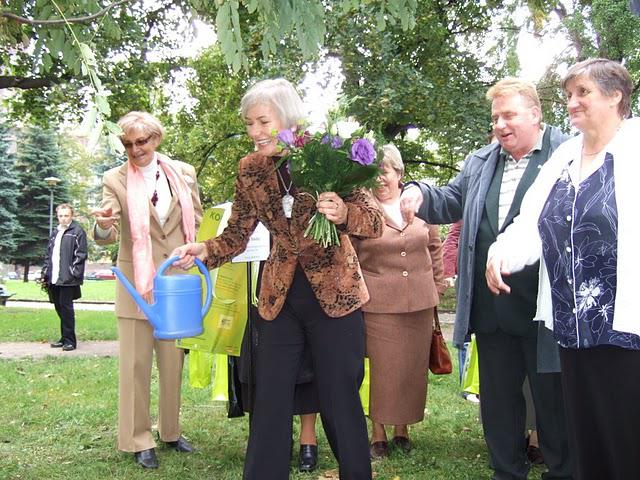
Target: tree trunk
point(25, 276)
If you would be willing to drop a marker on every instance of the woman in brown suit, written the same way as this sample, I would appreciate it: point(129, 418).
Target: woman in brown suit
point(308, 294)
point(404, 274)
point(150, 205)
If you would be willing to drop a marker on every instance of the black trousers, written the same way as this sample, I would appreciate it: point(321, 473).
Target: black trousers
point(504, 361)
point(337, 349)
point(601, 391)
point(62, 298)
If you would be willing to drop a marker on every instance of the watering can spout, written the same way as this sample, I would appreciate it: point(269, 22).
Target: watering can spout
point(144, 306)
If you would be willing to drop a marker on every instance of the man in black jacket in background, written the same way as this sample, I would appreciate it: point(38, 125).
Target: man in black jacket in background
point(63, 272)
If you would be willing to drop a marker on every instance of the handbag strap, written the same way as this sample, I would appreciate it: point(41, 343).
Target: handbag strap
point(436, 321)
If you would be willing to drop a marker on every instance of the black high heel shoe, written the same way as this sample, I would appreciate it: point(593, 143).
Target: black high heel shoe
point(308, 459)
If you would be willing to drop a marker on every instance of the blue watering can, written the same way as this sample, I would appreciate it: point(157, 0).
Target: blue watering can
point(176, 311)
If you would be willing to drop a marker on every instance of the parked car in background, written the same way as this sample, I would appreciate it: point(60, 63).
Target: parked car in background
point(11, 276)
point(34, 276)
point(104, 274)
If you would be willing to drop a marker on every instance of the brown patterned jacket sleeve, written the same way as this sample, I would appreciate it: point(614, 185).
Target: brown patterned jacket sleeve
point(364, 218)
point(236, 235)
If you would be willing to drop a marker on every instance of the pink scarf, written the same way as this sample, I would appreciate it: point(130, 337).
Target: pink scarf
point(139, 217)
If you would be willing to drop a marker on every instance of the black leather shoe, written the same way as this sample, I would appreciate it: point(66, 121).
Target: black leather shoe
point(534, 454)
point(403, 443)
point(379, 449)
point(308, 459)
point(181, 445)
point(57, 344)
point(68, 347)
point(147, 458)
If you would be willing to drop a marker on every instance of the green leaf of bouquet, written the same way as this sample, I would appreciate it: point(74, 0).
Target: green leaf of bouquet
point(357, 177)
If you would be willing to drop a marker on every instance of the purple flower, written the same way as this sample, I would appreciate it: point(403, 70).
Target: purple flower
point(363, 152)
point(336, 142)
point(286, 137)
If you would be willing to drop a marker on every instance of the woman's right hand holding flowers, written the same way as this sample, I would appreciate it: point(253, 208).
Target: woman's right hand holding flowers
point(188, 253)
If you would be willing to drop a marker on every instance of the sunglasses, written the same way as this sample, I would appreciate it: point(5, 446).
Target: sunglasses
point(141, 142)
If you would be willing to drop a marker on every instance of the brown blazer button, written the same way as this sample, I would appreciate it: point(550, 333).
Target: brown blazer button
point(165, 255)
point(164, 237)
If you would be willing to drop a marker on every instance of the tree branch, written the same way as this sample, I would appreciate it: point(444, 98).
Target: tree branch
point(212, 147)
point(58, 22)
point(574, 36)
point(28, 83)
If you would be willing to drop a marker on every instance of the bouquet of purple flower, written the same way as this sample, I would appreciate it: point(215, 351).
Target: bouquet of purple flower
point(339, 160)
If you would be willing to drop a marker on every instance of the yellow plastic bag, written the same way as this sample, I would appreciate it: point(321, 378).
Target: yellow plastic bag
point(471, 372)
point(200, 365)
point(364, 388)
point(220, 390)
point(225, 322)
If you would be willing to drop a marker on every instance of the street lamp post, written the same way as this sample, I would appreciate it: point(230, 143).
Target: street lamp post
point(52, 182)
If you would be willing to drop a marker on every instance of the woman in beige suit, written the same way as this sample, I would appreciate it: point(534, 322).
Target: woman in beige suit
point(150, 205)
point(404, 275)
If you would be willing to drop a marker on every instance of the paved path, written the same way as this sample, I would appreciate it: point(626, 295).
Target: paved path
point(49, 306)
point(37, 350)
point(15, 350)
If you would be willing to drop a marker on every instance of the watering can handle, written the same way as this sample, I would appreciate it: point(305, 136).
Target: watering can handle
point(205, 272)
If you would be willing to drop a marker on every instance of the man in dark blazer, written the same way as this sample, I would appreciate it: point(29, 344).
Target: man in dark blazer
point(486, 195)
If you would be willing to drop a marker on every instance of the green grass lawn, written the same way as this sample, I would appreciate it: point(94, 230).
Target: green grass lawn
point(92, 290)
point(59, 417)
point(58, 420)
point(43, 325)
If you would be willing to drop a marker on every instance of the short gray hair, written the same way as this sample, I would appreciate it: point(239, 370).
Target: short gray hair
point(281, 95)
point(609, 76)
point(143, 122)
point(391, 156)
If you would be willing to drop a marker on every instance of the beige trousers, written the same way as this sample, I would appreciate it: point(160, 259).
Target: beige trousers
point(137, 345)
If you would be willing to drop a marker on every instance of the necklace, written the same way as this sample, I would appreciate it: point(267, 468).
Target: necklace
point(590, 154)
point(154, 197)
point(287, 199)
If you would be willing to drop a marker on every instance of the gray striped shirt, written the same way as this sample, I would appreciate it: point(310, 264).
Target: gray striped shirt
point(511, 176)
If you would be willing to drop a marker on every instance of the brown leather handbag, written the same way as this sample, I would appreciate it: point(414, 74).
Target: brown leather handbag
point(439, 358)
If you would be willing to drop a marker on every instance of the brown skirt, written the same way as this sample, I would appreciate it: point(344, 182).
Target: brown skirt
point(398, 349)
